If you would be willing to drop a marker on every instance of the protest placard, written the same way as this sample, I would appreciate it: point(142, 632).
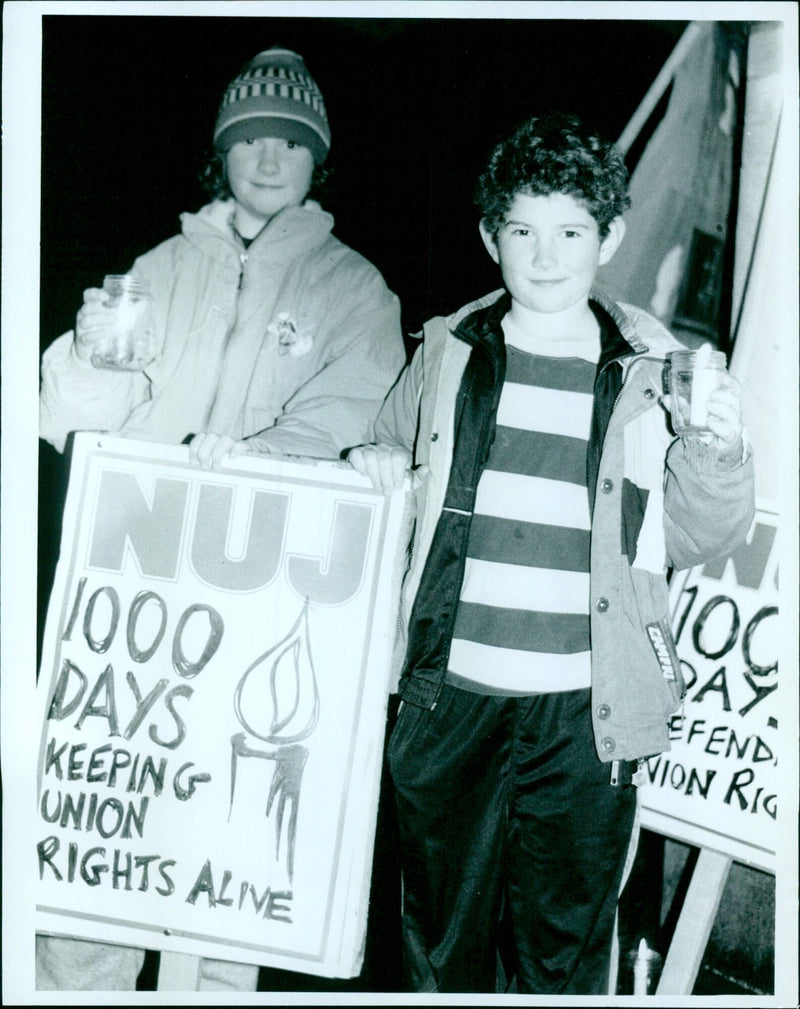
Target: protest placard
point(213, 695)
point(717, 786)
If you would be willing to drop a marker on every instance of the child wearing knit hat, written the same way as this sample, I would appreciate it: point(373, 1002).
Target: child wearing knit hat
point(280, 360)
point(276, 96)
point(276, 337)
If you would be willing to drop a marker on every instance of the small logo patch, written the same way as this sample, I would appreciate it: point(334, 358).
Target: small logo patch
point(663, 643)
point(656, 636)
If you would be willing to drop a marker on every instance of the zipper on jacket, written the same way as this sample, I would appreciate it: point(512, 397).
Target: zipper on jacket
point(487, 419)
point(242, 261)
point(481, 439)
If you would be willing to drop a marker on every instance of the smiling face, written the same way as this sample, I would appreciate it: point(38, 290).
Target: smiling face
point(548, 249)
point(267, 174)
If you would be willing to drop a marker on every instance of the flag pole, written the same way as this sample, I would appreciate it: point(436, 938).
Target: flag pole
point(659, 86)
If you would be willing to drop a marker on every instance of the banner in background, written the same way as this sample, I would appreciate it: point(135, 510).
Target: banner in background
point(673, 261)
point(212, 700)
point(717, 786)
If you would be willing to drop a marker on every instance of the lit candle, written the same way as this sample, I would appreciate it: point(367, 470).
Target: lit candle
point(641, 973)
point(705, 379)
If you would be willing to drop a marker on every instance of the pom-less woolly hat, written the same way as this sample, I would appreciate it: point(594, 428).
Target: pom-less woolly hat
point(274, 95)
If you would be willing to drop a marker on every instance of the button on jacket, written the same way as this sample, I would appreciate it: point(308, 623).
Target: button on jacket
point(657, 503)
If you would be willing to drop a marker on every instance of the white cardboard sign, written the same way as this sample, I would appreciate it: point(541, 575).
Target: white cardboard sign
point(717, 786)
point(212, 698)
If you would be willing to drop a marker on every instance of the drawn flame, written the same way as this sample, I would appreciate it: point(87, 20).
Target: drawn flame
point(277, 698)
point(284, 674)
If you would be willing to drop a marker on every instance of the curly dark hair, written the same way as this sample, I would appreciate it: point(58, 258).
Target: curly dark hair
point(554, 153)
point(214, 181)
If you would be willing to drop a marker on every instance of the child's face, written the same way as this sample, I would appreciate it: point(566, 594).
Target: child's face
point(548, 249)
point(267, 174)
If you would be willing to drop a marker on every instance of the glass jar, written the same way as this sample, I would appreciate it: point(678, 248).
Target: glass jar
point(640, 971)
point(692, 376)
point(130, 342)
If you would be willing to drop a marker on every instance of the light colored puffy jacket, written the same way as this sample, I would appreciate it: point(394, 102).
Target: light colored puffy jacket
point(221, 311)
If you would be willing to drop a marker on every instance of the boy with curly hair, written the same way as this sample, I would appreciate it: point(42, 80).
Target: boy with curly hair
point(537, 665)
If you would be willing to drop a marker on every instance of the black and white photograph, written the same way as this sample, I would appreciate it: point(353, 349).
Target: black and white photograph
point(400, 503)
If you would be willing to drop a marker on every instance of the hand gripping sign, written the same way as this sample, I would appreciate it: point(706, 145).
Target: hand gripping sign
point(213, 695)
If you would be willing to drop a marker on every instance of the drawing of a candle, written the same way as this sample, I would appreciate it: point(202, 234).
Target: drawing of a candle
point(277, 702)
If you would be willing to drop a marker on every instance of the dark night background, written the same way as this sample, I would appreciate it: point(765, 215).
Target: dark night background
point(129, 105)
point(128, 108)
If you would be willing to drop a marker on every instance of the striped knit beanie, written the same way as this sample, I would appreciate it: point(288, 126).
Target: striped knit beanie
point(274, 95)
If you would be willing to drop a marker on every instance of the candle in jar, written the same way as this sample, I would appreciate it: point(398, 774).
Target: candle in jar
point(641, 969)
point(705, 379)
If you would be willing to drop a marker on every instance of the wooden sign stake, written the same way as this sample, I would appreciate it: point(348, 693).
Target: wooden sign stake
point(694, 924)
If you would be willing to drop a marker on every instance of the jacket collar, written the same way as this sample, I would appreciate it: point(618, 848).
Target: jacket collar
point(478, 324)
point(292, 231)
point(481, 328)
point(621, 339)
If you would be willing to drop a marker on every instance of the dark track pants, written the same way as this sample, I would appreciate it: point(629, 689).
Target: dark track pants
point(506, 812)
